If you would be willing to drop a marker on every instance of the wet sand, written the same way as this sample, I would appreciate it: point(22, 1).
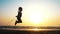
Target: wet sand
point(29, 32)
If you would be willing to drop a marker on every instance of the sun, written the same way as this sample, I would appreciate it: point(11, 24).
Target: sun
point(36, 18)
point(33, 14)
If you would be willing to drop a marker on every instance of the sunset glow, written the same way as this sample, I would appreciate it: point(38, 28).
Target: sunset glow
point(34, 13)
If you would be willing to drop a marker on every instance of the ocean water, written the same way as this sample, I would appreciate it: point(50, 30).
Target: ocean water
point(29, 30)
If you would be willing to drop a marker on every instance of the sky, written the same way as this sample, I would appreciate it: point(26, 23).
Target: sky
point(35, 12)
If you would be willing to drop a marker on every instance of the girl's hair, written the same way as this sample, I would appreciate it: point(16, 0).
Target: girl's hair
point(20, 8)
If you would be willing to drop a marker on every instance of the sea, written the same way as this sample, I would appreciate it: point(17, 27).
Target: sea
point(29, 30)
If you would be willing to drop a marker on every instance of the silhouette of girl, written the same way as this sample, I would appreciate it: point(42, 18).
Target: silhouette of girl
point(19, 16)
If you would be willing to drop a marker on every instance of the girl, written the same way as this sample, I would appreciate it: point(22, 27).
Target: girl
point(19, 16)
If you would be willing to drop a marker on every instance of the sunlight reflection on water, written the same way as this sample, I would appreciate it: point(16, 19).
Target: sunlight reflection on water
point(35, 29)
point(29, 28)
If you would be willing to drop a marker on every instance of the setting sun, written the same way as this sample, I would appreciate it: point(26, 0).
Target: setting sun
point(35, 18)
point(34, 13)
